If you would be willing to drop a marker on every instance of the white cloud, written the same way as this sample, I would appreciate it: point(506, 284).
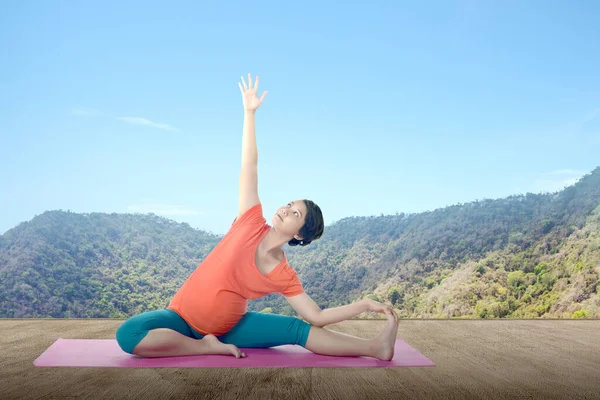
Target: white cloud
point(555, 181)
point(146, 122)
point(162, 209)
point(88, 112)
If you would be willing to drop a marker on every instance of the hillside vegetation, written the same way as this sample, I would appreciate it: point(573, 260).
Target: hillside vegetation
point(528, 256)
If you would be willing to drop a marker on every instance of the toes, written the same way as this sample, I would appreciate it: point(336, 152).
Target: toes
point(238, 353)
point(235, 351)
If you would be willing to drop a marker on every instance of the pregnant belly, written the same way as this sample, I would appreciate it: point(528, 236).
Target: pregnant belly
point(219, 316)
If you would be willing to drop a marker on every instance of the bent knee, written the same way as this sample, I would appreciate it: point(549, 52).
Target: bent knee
point(128, 336)
point(301, 329)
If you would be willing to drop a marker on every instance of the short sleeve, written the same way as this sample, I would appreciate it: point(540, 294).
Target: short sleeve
point(253, 215)
point(294, 288)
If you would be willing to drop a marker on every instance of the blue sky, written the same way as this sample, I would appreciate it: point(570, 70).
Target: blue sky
point(372, 108)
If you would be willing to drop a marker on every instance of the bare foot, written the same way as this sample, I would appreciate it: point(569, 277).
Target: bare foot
point(383, 344)
point(217, 347)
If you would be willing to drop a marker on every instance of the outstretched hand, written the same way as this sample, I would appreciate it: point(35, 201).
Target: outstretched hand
point(250, 94)
point(381, 308)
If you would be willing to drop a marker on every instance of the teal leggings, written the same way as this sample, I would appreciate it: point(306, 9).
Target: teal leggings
point(254, 330)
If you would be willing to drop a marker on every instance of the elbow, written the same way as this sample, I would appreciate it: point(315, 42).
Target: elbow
point(316, 321)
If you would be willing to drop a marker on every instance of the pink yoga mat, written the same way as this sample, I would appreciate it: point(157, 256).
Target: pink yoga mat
point(107, 353)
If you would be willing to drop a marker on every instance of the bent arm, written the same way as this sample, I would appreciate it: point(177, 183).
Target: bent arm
point(338, 314)
point(248, 195)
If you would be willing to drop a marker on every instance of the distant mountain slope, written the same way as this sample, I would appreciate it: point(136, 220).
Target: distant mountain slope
point(535, 255)
point(63, 264)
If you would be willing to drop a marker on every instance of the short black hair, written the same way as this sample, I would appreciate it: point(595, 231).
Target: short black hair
point(313, 225)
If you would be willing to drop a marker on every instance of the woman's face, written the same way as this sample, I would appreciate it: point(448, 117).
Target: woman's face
point(290, 218)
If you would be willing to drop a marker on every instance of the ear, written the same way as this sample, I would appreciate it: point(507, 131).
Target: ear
point(297, 237)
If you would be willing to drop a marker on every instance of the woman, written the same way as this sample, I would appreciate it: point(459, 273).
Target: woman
point(208, 313)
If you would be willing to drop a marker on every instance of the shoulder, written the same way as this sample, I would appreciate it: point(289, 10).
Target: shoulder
point(288, 267)
point(252, 215)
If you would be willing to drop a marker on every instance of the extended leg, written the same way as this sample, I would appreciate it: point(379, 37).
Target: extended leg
point(331, 343)
point(262, 330)
point(323, 341)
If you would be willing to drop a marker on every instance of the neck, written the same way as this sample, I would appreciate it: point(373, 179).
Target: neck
point(274, 241)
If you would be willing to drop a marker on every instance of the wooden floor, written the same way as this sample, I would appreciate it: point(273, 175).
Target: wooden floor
point(476, 359)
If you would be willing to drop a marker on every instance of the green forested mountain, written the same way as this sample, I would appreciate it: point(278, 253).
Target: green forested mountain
point(529, 256)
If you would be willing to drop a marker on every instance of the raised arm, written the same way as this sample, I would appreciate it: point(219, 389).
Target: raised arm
point(248, 195)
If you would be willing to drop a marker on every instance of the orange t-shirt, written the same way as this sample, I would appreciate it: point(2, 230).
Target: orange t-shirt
point(215, 296)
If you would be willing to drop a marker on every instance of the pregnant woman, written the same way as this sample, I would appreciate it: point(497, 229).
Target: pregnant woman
point(208, 313)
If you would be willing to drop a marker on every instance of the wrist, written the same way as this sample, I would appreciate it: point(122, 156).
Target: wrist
point(365, 305)
point(249, 112)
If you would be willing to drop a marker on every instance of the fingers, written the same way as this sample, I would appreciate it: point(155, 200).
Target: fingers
point(393, 315)
point(390, 311)
point(250, 86)
point(263, 96)
point(251, 89)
